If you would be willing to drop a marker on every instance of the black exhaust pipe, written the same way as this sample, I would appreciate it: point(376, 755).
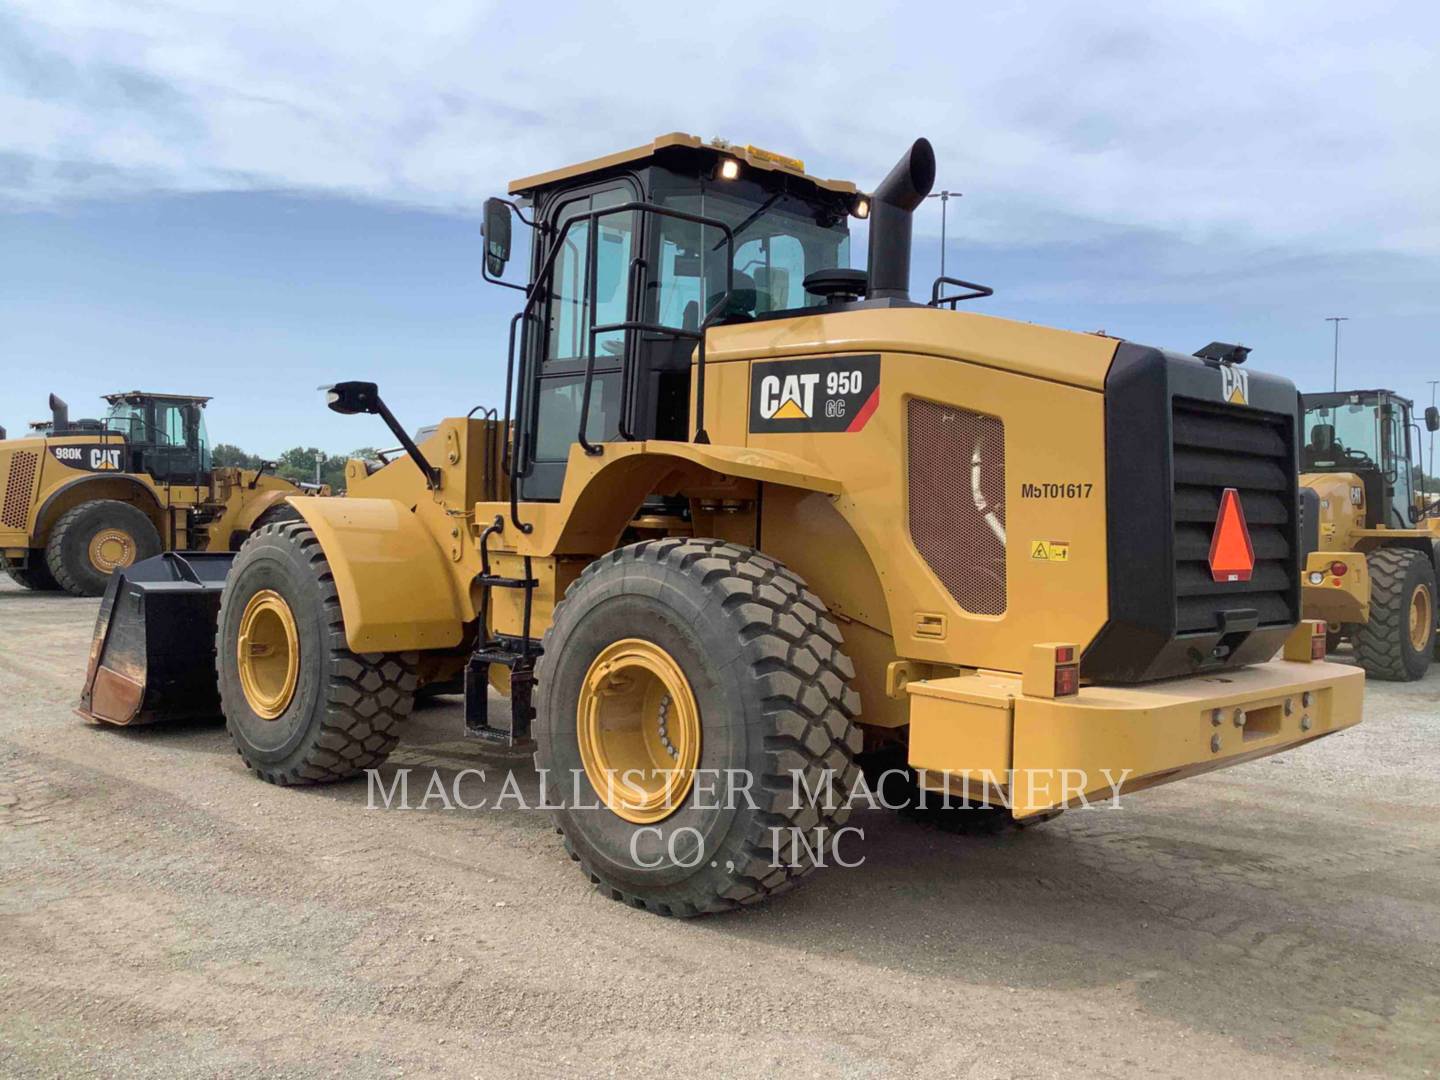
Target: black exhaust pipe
point(59, 415)
point(892, 208)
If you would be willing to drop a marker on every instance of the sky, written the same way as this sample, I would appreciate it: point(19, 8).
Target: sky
point(251, 199)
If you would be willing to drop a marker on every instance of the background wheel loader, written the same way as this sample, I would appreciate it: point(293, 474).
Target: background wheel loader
point(1372, 573)
point(750, 521)
point(84, 498)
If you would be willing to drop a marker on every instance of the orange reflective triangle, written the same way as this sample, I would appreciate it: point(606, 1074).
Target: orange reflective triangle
point(1232, 558)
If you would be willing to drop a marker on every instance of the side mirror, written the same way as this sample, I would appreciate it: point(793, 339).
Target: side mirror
point(349, 398)
point(1432, 418)
point(496, 231)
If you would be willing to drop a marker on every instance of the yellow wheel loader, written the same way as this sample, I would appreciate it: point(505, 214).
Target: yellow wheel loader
point(85, 498)
point(1371, 573)
point(751, 521)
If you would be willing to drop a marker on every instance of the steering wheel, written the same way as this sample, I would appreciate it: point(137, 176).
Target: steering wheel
point(1358, 458)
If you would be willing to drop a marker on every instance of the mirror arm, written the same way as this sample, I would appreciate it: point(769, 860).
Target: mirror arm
point(431, 474)
point(485, 273)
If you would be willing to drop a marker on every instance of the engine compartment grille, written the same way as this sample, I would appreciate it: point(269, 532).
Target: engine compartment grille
point(18, 484)
point(1218, 446)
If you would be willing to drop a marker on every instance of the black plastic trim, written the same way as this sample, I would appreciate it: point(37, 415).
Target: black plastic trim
point(1139, 642)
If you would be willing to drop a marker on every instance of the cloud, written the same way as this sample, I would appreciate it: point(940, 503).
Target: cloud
point(1309, 126)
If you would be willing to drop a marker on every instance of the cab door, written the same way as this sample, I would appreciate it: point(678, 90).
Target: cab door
point(1399, 481)
point(178, 454)
point(559, 341)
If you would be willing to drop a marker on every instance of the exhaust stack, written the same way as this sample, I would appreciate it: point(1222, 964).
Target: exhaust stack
point(59, 415)
point(892, 207)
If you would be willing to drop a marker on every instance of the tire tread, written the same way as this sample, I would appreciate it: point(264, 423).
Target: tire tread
point(366, 697)
point(1383, 644)
point(792, 647)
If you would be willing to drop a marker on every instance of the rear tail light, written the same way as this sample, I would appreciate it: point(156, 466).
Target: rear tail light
point(1067, 678)
point(1338, 568)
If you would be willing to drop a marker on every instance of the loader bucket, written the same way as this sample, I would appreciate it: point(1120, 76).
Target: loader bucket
point(153, 654)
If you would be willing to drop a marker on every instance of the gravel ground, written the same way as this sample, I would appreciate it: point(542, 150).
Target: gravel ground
point(163, 912)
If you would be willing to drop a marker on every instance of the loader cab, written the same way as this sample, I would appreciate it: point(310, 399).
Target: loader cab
point(632, 258)
point(1368, 433)
point(164, 434)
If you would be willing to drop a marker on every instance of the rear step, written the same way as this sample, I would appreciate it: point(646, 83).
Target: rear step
point(152, 657)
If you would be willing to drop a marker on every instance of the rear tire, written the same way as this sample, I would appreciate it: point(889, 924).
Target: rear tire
point(766, 689)
point(92, 540)
point(1402, 591)
point(34, 576)
point(338, 712)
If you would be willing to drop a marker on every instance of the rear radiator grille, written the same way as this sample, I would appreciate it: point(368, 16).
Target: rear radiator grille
point(958, 534)
point(17, 489)
point(1220, 446)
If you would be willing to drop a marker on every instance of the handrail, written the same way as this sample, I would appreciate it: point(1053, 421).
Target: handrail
point(976, 292)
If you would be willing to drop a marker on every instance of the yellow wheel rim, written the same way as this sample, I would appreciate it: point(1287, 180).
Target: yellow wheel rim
point(111, 549)
point(639, 730)
point(1422, 618)
point(268, 654)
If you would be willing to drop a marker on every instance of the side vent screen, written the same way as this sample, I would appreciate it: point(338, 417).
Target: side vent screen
point(17, 489)
point(957, 501)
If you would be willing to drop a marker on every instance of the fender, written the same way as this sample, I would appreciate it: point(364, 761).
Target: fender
point(601, 492)
point(397, 592)
point(253, 508)
point(73, 492)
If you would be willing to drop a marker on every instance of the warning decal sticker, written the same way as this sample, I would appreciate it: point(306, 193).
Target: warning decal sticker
point(833, 393)
point(1050, 550)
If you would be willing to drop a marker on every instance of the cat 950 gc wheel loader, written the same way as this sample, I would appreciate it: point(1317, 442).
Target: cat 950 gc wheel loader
point(750, 519)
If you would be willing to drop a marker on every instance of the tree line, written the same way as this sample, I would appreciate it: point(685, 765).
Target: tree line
point(296, 464)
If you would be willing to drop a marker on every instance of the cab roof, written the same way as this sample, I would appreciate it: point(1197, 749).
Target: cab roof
point(750, 156)
point(129, 395)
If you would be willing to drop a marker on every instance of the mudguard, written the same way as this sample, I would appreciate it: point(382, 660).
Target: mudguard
point(397, 591)
point(253, 508)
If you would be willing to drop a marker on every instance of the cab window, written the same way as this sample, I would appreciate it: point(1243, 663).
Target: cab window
point(779, 239)
point(127, 420)
point(613, 240)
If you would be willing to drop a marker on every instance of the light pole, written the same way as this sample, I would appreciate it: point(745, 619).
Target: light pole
point(319, 463)
point(944, 197)
point(1337, 320)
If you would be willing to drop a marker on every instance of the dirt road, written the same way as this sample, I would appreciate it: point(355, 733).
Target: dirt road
point(162, 912)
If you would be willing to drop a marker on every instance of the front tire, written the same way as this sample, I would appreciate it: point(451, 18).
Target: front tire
point(300, 707)
point(93, 540)
point(1399, 640)
point(720, 659)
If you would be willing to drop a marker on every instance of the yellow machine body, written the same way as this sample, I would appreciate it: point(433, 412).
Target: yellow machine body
point(39, 487)
point(1372, 577)
point(834, 507)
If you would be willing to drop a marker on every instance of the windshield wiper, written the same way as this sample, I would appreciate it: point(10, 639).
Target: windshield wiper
point(751, 219)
